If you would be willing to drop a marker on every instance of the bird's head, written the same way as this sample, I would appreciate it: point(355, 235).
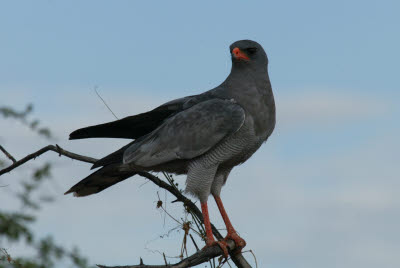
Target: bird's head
point(248, 52)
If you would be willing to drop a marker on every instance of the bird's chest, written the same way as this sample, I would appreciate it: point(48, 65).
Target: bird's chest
point(258, 126)
point(248, 140)
point(236, 148)
point(260, 112)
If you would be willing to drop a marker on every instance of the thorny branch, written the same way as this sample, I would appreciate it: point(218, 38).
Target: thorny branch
point(199, 257)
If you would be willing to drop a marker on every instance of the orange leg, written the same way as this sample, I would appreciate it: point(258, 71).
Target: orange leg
point(210, 241)
point(240, 243)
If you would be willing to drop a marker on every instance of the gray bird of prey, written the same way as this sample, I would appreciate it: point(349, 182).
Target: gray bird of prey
point(203, 136)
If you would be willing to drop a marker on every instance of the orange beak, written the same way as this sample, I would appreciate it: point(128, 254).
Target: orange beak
point(238, 54)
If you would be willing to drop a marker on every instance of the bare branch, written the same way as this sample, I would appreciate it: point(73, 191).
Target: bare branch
point(7, 154)
point(53, 148)
point(194, 242)
point(165, 259)
point(199, 257)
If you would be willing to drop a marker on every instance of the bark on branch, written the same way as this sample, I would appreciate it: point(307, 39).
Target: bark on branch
point(199, 257)
point(54, 148)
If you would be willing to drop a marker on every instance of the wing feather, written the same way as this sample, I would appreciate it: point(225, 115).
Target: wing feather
point(187, 134)
point(132, 127)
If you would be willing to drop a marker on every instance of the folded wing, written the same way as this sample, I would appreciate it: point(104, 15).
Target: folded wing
point(187, 134)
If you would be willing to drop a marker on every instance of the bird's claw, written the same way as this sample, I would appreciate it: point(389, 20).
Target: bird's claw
point(222, 244)
point(239, 242)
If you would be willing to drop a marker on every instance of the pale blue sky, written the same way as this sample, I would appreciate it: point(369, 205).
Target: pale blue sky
point(323, 191)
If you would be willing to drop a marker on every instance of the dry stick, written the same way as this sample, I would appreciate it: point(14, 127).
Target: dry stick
point(194, 242)
point(181, 224)
point(95, 90)
point(53, 148)
point(7, 154)
point(165, 259)
point(255, 259)
point(199, 257)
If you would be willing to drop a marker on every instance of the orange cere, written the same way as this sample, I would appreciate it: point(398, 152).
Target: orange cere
point(238, 54)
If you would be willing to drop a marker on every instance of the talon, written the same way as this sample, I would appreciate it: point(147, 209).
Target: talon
point(239, 242)
point(222, 244)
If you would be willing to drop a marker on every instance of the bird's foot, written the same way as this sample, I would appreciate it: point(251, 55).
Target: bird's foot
point(222, 244)
point(239, 242)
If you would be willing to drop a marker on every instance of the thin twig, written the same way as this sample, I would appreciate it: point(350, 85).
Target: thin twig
point(95, 90)
point(9, 259)
point(53, 148)
point(7, 154)
point(165, 259)
point(255, 259)
point(194, 242)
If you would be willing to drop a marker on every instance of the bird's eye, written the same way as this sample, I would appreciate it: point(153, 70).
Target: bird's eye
point(251, 50)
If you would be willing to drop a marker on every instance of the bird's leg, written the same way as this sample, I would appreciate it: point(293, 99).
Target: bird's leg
point(232, 234)
point(210, 241)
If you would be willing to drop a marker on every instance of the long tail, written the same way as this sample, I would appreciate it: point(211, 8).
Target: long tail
point(100, 180)
point(131, 127)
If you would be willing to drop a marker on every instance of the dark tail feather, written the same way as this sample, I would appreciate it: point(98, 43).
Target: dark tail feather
point(131, 127)
point(100, 180)
point(113, 158)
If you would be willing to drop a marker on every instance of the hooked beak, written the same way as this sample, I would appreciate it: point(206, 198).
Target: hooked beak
point(239, 55)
